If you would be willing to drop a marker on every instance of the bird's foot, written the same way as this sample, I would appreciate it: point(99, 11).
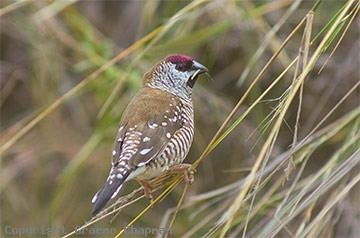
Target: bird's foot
point(147, 188)
point(185, 169)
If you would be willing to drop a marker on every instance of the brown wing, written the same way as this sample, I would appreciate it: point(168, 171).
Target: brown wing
point(145, 129)
point(147, 126)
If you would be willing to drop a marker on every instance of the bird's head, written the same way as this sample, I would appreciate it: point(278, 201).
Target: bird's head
point(176, 74)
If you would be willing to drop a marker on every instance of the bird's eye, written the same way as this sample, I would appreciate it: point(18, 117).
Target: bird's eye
point(180, 67)
point(183, 66)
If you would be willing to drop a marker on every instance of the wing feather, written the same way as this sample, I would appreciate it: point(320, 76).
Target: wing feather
point(145, 132)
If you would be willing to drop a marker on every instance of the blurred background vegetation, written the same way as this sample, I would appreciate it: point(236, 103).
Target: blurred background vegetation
point(69, 68)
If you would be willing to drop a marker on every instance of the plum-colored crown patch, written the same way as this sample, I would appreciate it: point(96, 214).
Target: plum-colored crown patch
point(177, 59)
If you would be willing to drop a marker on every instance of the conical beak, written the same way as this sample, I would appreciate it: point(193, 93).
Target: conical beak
point(198, 67)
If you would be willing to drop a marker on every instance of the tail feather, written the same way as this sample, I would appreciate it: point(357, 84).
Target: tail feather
point(107, 192)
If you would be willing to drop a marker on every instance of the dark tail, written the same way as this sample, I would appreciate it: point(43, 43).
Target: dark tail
point(107, 192)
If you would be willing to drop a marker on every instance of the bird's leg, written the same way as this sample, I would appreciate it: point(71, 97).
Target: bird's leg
point(185, 169)
point(146, 187)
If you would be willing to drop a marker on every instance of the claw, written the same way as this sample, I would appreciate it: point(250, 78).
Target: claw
point(147, 188)
point(185, 169)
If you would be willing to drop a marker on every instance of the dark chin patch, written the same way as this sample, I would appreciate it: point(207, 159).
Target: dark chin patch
point(191, 81)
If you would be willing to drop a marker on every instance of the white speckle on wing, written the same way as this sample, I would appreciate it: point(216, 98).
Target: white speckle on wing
point(145, 151)
point(119, 139)
point(168, 135)
point(121, 128)
point(146, 139)
point(141, 164)
point(164, 124)
point(114, 152)
point(153, 125)
point(119, 176)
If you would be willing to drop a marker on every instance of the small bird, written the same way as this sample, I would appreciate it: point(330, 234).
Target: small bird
point(156, 129)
